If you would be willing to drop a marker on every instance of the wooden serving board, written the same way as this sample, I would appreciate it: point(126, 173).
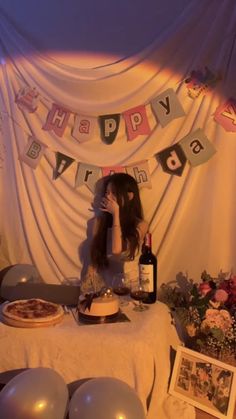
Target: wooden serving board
point(29, 324)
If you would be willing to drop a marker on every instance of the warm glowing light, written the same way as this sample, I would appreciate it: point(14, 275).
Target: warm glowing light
point(40, 405)
point(120, 416)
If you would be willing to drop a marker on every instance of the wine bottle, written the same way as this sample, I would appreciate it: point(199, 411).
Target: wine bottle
point(148, 270)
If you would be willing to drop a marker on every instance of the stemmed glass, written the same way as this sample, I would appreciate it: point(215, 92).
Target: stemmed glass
point(138, 293)
point(121, 287)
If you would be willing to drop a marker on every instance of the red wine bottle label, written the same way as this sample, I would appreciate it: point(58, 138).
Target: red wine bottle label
point(146, 277)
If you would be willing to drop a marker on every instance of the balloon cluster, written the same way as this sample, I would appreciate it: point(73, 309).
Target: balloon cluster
point(41, 393)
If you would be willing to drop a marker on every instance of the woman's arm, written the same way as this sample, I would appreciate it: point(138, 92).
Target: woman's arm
point(111, 206)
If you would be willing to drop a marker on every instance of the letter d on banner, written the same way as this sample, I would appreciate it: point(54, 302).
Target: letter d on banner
point(172, 160)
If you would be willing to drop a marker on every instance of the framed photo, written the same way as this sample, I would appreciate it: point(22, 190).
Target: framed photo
point(204, 382)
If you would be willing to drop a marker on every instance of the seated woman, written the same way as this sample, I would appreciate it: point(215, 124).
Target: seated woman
point(118, 235)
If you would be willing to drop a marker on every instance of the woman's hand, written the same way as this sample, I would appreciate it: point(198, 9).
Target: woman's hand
point(109, 205)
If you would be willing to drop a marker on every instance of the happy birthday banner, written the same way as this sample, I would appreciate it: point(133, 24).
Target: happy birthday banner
point(195, 147)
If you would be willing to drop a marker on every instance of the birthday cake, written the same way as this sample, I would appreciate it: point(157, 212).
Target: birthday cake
point(99, 306)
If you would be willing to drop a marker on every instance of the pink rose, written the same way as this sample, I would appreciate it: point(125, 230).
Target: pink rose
point(204, 288)
point(221, 296)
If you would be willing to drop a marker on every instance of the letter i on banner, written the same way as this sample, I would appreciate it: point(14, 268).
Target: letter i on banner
point(88, 175)
point(136, 122)
point(197, 148)
point(172, 160)
point(62, 163)
point(33, 152)
point(57, 119)
point(140, 172)
point(109, 125)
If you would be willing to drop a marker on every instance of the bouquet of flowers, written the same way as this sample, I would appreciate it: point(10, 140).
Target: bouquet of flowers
point(206, 312)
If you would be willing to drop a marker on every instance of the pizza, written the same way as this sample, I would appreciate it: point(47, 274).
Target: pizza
point(33, 310)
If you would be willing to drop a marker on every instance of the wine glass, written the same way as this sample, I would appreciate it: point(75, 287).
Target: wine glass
point(138, 293)
point(121, 287)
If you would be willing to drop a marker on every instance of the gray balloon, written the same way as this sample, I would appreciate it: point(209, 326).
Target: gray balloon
point(105, 398)
point(37, 393)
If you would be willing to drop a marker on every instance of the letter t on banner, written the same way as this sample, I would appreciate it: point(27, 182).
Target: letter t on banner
point(57, 119)
point(87, 175)
point(167, 107)
point(136, 122)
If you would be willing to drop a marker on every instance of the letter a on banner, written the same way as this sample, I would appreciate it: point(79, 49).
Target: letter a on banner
point(57, 119)
point(172, 160)
point(136, 122)
point(87, 175)
point(167, 107)
point(197, 148)
point(109, 125)
point(84, 127)
point(226, 115)
point(33, 152)
point(62, 163)
point(140, 172)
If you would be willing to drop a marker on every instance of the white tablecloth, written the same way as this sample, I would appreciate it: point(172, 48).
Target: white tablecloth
point(137, 352)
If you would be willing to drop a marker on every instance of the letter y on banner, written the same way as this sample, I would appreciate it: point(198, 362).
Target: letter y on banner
point(172, 160)
point(226, 115)
point(167, 107)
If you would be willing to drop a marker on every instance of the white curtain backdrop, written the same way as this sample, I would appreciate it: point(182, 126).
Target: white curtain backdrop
point(192, 218)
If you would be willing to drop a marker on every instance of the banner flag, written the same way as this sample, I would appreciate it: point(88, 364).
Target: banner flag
point(57, 119)
point(27, 99)
point(107, 171)
point(136, 122)
point(172, 160)
point(109, 126)
point(84, 127)
point(140, 172)
point(88, 175)
point(62, 163)
point(197, 148)
point(225, 115)
point(167, 107)
point(201, 81)
point(33, 152)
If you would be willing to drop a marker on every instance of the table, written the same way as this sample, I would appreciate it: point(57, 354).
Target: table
point(137, 352)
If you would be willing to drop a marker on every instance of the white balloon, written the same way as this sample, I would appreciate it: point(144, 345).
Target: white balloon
point(37, 393)
point(105, 398)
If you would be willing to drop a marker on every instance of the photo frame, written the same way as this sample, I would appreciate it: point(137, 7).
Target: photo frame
point(204, 382)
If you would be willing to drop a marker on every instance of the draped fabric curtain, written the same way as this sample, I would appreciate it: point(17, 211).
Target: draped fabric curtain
point(46, 222)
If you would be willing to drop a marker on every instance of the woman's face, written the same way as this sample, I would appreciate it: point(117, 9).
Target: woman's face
point(110, 193)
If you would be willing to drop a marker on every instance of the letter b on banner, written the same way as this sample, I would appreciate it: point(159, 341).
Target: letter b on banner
point(172, 160)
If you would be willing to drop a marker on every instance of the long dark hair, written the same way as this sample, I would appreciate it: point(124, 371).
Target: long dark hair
point(131, 213)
